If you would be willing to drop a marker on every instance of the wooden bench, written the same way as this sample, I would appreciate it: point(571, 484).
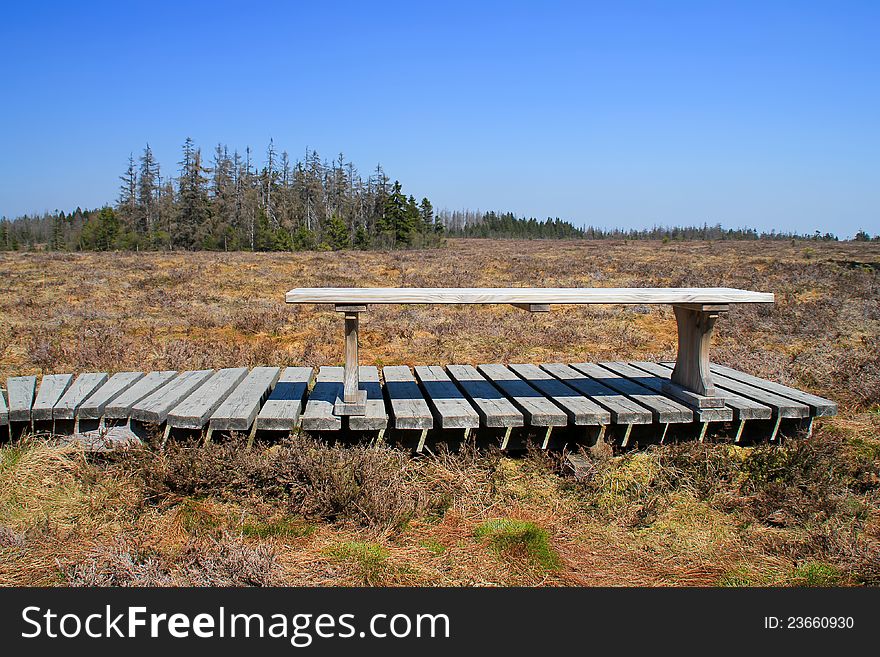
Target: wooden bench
point(696, 310)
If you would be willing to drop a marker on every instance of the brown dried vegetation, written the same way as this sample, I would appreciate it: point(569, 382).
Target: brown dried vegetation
point(304, 512)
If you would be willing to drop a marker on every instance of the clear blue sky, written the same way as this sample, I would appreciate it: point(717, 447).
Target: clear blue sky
point(617, 114)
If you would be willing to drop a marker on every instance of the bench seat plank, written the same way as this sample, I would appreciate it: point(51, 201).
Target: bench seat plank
point(408, 405)
point(239, 410)
point(283, 408)
point(524, 295)
point(819, 406)
point(655, 383)
point(623, 409)
point(21, 391)
point(52, 387)
point(743, 408)
point(196, 409)
point(540, 411)
point(80, 390)
point(450, 405)
point(120, 407)
point(580, 409)
point(318, 415)
point(664, 410)
point(154, 408)
point(93, 407)
point(494, 408)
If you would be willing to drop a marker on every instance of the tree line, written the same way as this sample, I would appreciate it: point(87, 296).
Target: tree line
point(231, 204)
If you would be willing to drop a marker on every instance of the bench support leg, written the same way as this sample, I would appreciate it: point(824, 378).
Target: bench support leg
point(695, 325)
point(354, 400)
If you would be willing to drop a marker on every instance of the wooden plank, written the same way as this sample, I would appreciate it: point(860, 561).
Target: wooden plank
point(155, 407)
point(318, 415)
point(375, 417)
point(742, 407)
point(4, 410)
point(408, 406)
point(282, 409)
point(240, 409)
point(93, 407)
point(580, 409)
point(655, 383)
point(663, 409)
point(196, 409)
point(52, 387)
point(539, 411)
point(819, 406)
point(524, 295)
point(451, 407)
point(80, 390)
point(623, 409)
point(494, 408)
point(21, 390)
point(783, 407)
point(120, 408)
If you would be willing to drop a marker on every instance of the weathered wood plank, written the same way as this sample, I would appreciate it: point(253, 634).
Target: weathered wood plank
point(516, 295)
point(539, 411)
point(375, 417)
point(664, 410)
point(655, 383)
point(580, 409)
point(408, 405)
point(21, 391)
point(318, 415)
point(93, 407)
point(52, 387)
point(623, 409)
point(240, 409)
point(79, 391)
point(155, 407)
point(782, 406)
point(819, 406)
point(196, 409)
point(282, 410)
point(743, 408)
point(494, 408)
point(451, 407)
point(120, 407)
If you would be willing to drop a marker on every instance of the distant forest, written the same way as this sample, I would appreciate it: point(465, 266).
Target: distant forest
point(231, 204)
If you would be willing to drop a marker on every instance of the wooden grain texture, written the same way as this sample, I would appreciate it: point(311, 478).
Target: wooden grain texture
point(451, 407)
point(408, 405)
point(383, 295)
point(21, 391)
point(656, 383)
point(283, 408)
point(782, 406)
point(623, 409)
point(375, 417)
point(742, 407)
point(93, 407)
point(539, 411)
point(819, 406)
point(80, 390)
point(120, 407)
point(196, 409)
point(494, 408)
point(155, 407)
point(240, 409)
point(318, 414)
point(580, 409)
point(52, 387)
point(664, 410)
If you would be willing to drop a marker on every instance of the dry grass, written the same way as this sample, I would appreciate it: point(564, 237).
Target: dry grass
point(301, 512)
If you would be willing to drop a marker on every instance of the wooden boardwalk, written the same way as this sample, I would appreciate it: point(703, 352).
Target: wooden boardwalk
point(627, 402)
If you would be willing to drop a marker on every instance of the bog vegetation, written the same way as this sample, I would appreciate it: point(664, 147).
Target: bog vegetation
point(301, 511)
